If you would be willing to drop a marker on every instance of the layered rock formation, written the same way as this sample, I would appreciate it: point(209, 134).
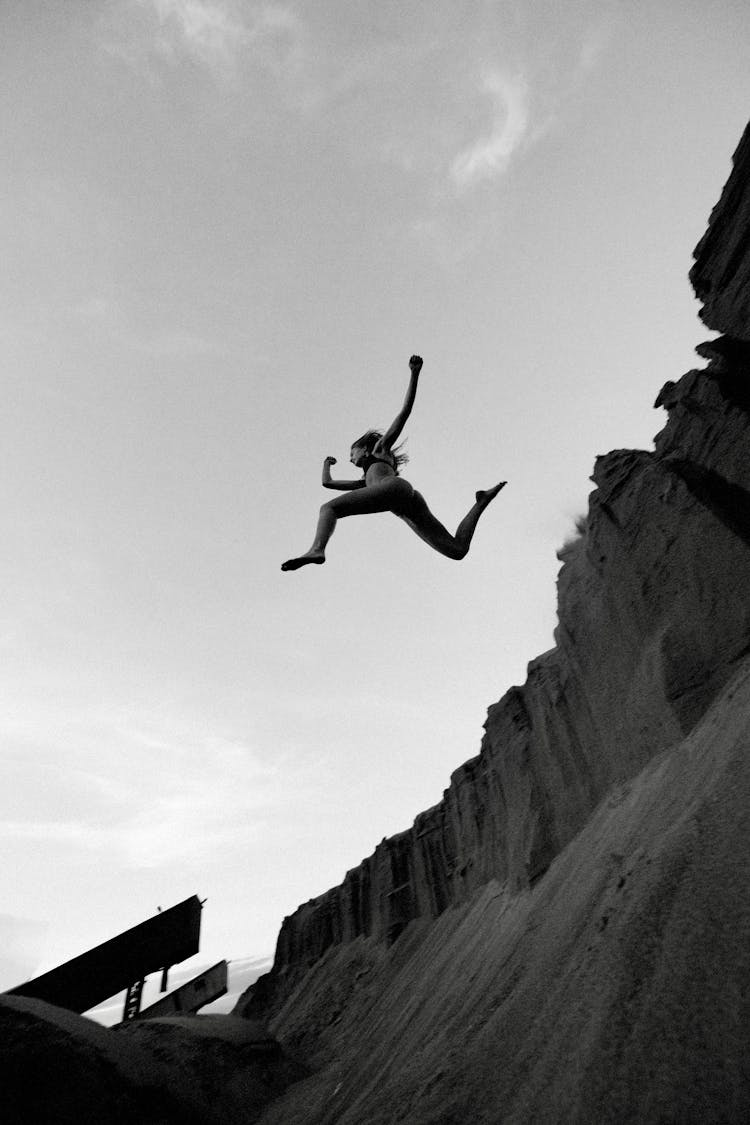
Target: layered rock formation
point(565, 937)
point(721, 274)
point(647, 682)
point(613, 991)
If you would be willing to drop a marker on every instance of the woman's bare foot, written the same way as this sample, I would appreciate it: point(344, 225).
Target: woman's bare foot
point(484, 496)
point(304, 560)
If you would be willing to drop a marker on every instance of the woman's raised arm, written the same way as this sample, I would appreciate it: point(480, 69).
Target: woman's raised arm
point(398, 423)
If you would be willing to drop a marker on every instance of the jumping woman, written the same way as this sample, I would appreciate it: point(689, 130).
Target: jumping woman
point(381, 489)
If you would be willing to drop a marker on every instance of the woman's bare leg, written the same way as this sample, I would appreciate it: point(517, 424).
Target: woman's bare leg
point(421, 520)
point(391, 496)
point(465, 529)
point(377, 498)
point(323, 532)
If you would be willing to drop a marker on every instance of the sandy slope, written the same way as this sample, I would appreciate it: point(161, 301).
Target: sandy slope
point(615, 990)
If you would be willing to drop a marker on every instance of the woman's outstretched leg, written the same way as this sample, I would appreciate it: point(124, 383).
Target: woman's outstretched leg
point(323, 532)
point(382, 497)
point(421, 520)
point(467, 526)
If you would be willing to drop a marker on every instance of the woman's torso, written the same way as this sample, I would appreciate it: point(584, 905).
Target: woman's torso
point(380, 466)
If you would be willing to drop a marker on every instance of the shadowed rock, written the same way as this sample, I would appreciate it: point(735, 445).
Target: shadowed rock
point(721, 274)
point(59, 1068)
point(729, 502)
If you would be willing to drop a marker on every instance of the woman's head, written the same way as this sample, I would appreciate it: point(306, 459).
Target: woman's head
point(362, 449)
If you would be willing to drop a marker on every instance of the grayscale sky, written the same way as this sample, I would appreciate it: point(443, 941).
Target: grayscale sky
point(225, 227)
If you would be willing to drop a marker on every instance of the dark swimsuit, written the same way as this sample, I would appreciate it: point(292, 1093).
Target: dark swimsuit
point(372, 458)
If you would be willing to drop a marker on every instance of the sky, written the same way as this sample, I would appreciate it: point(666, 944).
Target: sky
point(226, 226)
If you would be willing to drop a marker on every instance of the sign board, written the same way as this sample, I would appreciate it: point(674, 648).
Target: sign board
point(166, 939)
point(192, 996)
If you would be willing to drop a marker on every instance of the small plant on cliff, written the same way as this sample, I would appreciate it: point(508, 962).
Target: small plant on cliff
point(569, 546)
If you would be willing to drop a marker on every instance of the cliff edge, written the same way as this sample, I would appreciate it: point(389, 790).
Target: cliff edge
point(564, 937)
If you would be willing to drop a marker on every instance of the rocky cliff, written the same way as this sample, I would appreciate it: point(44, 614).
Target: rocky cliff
point(647, 692)
point(721, 274)
point(565, 937)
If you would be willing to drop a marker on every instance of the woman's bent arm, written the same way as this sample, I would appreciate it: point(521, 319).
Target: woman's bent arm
point(338, 485)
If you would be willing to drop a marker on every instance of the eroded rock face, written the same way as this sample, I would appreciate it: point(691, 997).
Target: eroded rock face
point(654, 618)
point(721, 274)
point(553, 940)
point(612, 991)
point(564, 937)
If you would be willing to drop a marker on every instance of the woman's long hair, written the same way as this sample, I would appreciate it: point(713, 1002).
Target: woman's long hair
point(370, 439)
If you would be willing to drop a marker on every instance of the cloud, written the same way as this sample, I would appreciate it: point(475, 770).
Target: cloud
point(211, 796)
point(597, 38)
point(177, 344)
point(161, 793)
point(489, 157)
point(205, 29)
point(98, 311)
point(216, 34)
point(113, 318)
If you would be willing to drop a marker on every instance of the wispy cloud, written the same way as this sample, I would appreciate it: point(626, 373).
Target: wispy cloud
point(208, 30)
point(217, 34)
point(111, 317)
point(597, 38)
point(96, 310)
point(160, 793)
point(177, 344)
point(397, 88)
point(490, 156)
